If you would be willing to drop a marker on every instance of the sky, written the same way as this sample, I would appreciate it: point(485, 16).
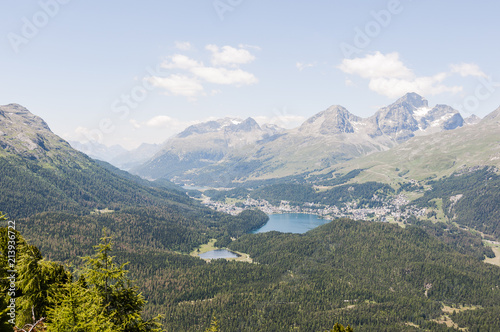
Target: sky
point(128, 72)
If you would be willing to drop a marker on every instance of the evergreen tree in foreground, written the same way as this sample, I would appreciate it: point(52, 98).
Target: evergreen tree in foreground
point(102, 299)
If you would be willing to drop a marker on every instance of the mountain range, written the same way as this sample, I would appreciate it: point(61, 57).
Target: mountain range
point(116, 154)
point(233, 150)
point(432, 156)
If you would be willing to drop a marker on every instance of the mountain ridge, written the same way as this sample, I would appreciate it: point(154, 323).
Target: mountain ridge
point(323, 140)
point(433, 156)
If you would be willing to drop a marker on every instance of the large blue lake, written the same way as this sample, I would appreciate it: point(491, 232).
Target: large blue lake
point(291, 223)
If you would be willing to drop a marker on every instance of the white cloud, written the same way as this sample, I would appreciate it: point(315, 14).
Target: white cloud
point(388, 76)
point(179, 61)
point(467, 69)
point(224, 76)
point(376, 65)
point(349, 82)
point(229, 56)
point(135, 123)
point(165, 122)
point(188, 76)
point(395, 87)
point(301, 66)
point(179, 85)
point(159, 121)
point(183, 46)
point(217, 75)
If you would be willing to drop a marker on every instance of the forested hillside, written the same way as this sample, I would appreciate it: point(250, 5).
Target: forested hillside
point(373, 276)
point(470, 198)
point(377, 277)
point(299, 193)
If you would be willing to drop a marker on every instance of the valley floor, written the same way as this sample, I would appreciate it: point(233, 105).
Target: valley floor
point(391, 211)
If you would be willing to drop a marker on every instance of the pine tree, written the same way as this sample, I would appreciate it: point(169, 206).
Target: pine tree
point(111, 290)
point(340, 328)
point(79, 309)
point(101, 300)
point(214, 326)
point(4, 284)
point(38, 281)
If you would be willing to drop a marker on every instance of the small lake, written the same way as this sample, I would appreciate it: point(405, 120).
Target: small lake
point(218, 253)
point(292, 223)
point(188, 187)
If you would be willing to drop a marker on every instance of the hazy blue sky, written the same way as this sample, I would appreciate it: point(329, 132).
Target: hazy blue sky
point(140, 71)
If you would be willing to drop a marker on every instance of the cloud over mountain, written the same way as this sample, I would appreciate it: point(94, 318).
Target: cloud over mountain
point(389, 76)
point(189, 77)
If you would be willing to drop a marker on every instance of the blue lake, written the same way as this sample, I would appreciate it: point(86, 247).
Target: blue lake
point(291, 223)
point(218, 253)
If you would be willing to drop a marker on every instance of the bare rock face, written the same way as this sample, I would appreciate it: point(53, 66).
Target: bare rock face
point(397, 120)
point(411, 115)
point(26, 134)
point(19, 115)
point(334, 120)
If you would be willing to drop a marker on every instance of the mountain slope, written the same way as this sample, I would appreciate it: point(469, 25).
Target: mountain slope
point(366, 274)
point(44, 179)
point(41, 172)
point(203, 145)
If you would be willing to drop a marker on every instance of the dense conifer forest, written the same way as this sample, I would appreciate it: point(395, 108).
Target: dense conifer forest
point(373, 276)
point(470, 198)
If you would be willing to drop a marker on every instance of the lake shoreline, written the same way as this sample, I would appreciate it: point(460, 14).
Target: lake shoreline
point(296, 222)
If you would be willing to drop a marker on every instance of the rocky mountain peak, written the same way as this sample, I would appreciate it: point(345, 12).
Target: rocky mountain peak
point(411, 115)
point(442, 116)
point(397, 120)
point(411, 100)
point(272, 128)
point(334, 120)
point(201, 128)
point(472, 119)
point(26, 134)
point(18, 115)
point(248, 125)
point(227, 125)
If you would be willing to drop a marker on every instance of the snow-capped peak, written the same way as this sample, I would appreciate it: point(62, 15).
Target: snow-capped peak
point(421, 112)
